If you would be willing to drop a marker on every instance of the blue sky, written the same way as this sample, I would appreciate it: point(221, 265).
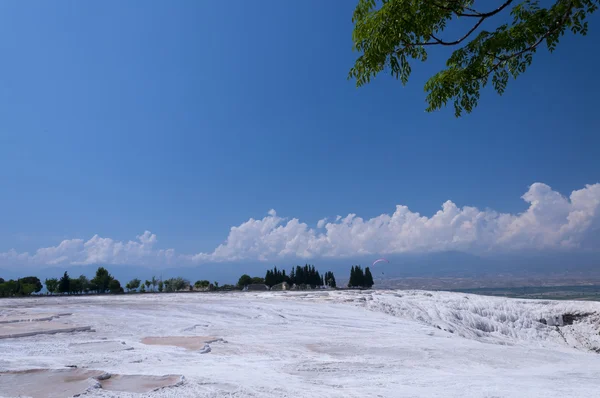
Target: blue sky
point(187, 118)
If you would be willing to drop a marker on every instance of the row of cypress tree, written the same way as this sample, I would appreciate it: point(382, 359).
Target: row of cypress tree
point(360, 278)
point(307, 275)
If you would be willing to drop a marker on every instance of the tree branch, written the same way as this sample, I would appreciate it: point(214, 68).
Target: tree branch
point(482, 17)
point(455, 42)
point(475, 14)
point(504, 59)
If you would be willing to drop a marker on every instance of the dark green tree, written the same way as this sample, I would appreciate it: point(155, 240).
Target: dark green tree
point(277, 275)
point(161, 285)
point(181, 284)
point(271, 277)
point(391, 33)
point(26, 289)
point(330, 279)
point(84, 283)
point(244, 281)
point(32, 280)
point(368, 279)
point(357, 277)
point(114, 286)
point(202, 284)
point(316, 279)
point(64, 285)
point(51, 285)
point(360, 276)
point(133, 284)
point(102, 280)
point(75, 286)
point(286, 278)
point(9, 288)
point(176, 284)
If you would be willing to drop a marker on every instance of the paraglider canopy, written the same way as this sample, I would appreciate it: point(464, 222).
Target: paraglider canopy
point(380, 260)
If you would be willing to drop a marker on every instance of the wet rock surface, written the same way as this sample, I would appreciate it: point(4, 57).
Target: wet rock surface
point(61, 383)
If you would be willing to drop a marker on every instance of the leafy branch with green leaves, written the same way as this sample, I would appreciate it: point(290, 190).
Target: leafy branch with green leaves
point(391, 33)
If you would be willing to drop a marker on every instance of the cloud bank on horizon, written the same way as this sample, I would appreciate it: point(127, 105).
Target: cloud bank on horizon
point(551, 222)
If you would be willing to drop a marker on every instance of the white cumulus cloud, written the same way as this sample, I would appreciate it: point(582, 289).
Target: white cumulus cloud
point(96, 250)
point(551, 222)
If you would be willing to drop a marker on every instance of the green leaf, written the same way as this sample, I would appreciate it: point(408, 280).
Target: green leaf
point(391, 34)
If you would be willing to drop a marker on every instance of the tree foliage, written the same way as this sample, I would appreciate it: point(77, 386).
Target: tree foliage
point(20, 287)
point(133, 284)
point(27, 288)
point(244, 281)
point(102, 280)
point(368, 281)
point(357, 276)
point(181, 284)
point(8, 288)
point(75, 286)
point(202, 284)
point(329, 279)
point(64, 285)
point(51, 285)
point(176, 284)
point(360, 278)
point(32, 280)
point(85, 284)
point(79, 285)
point(307, 275)
point(391, 33)
point(276, 276)
point(114, 286)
